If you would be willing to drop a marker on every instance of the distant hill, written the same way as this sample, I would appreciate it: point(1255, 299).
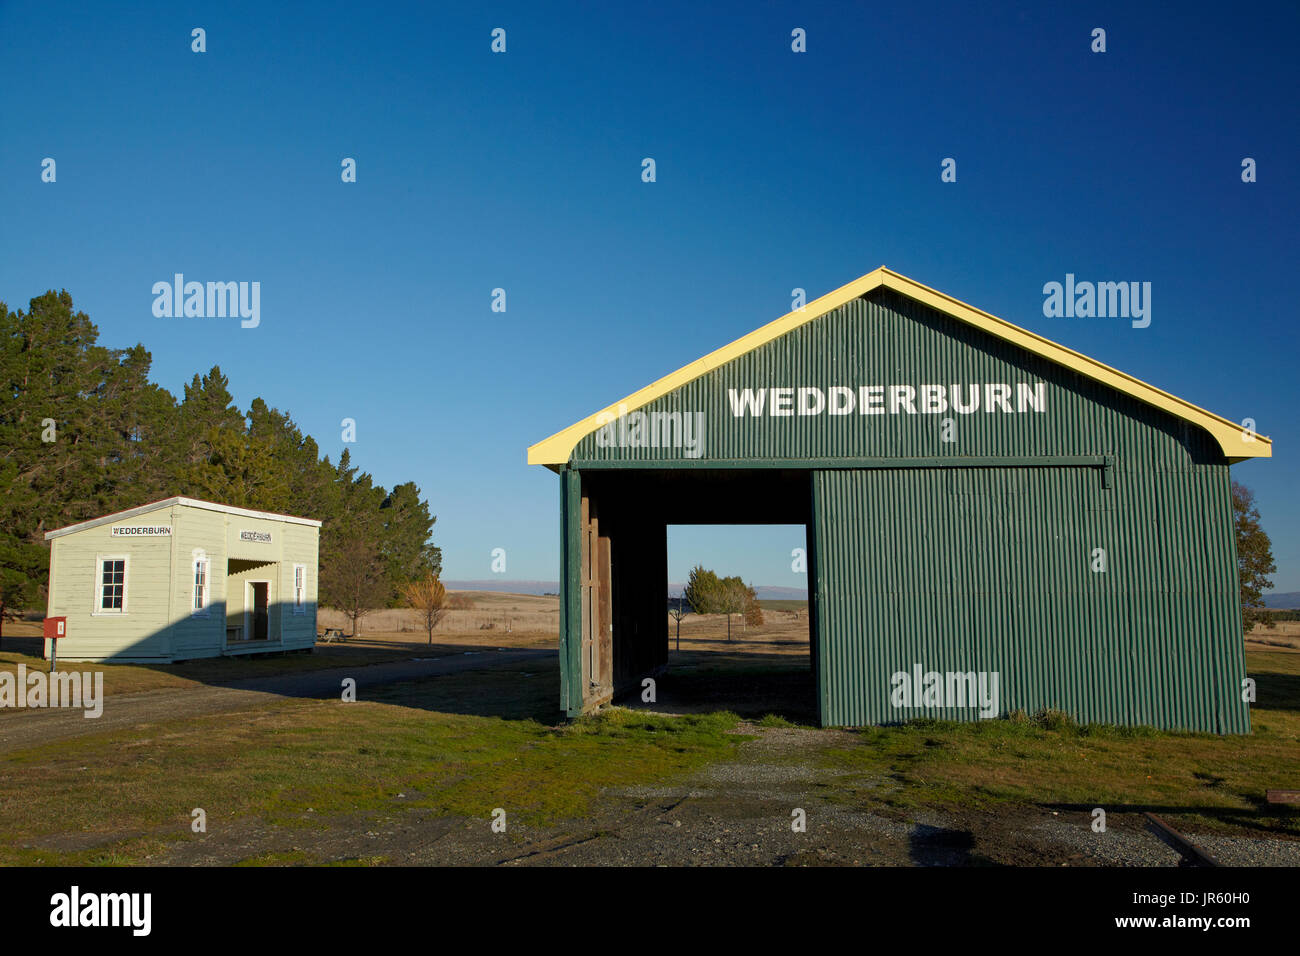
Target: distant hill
point(1284, 600)
point(511, 587)
point(768, 592)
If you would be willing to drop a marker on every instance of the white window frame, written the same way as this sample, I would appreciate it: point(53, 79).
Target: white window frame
point(97, 608)
point(200, 559)
point(300, 594)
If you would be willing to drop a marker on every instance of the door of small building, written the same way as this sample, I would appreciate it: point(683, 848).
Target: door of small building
point(259, 602)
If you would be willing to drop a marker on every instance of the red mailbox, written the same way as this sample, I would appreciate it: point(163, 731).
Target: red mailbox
point(53, 629)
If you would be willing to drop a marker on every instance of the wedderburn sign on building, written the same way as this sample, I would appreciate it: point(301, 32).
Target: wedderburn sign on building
point(887, 399)
point(141, 531)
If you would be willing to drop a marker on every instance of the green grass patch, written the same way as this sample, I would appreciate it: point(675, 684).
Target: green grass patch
point(1208, 781)
point(458, 745)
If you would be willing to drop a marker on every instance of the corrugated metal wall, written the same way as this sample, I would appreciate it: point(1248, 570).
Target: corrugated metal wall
point(992, 570)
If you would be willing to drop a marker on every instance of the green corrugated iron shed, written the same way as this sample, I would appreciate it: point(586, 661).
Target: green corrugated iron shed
point(995, 522)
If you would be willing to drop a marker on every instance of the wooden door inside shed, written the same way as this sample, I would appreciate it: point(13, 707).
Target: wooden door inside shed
point(597, 611)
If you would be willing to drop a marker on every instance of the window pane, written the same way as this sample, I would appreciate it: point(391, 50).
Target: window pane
point(200, 582)
point(112, 585)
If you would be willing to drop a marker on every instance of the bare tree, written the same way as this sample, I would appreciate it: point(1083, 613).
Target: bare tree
point(677, 613)
point(429, 598)
point(356, 579)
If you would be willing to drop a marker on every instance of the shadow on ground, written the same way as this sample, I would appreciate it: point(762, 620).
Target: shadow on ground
point(752, 685)
point(1263, 817)
point(753, 676)
point(944, 846)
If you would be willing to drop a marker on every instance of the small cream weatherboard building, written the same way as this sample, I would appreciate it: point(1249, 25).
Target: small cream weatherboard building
point(182, 578)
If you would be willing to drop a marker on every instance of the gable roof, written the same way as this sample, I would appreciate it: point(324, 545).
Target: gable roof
point(186, 502)
point(1236, 442)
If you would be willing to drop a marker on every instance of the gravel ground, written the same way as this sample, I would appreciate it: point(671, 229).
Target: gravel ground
point(737, 813)
point(1243, 851)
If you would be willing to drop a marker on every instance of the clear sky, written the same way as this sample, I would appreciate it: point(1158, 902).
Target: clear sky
point(522, 170)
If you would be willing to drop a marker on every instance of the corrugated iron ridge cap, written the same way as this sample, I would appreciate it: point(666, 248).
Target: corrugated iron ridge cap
point(556, 450)
point(178, 500)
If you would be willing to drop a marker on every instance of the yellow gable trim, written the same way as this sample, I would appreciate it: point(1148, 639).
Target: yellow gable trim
point(1234, 440)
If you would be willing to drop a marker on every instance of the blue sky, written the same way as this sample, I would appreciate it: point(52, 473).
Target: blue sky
point(521, 170)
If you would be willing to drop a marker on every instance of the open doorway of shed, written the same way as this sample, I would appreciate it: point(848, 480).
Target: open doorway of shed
point(753, 669)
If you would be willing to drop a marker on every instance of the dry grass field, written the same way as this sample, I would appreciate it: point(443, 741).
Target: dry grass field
point(1282, 634)
point(509, 618)
point(492, 611)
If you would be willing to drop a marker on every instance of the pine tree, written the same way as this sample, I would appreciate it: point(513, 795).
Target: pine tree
point(83, 433)
point(407, 529)
point(703, 591)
